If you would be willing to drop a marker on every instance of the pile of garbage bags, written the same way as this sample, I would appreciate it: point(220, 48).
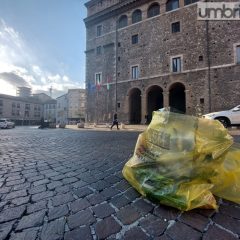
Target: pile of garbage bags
point(183, 161)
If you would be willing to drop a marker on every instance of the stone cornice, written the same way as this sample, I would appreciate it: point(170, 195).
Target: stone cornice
point(114, 10)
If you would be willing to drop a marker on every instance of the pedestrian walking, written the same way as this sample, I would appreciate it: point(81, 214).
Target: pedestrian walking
point(115, 121)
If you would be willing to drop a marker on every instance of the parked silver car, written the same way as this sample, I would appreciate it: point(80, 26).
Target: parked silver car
point(6, 123)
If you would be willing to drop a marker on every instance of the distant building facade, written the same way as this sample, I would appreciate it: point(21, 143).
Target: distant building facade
point(24, 92)
point(76, 104)
point(22, 110)
point(148, 54)
point(49, 110)
point(62, 109)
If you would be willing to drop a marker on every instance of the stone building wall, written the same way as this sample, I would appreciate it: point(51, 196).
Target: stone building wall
point(153, 53)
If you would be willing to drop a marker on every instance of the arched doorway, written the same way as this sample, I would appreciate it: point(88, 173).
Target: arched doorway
point(177, 98)
point(135, 106)
point(154, 100)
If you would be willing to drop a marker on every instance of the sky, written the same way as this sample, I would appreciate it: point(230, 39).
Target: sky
point(42, 44)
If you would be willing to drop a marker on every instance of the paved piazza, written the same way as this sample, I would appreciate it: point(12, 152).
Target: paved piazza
point(67, 184)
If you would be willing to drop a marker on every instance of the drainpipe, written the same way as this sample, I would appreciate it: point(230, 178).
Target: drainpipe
point(209, 66)
point(116, 56)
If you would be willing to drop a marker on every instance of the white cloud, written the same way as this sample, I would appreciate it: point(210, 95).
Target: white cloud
point(20, 67)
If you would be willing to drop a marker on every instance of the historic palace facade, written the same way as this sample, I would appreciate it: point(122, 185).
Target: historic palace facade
point(143, 55)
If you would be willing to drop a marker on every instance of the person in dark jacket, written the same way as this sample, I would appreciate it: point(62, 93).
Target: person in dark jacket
point(115, 121)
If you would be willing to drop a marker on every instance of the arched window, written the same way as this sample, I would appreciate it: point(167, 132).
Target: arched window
point(172, 4)
point(137, 16)
point(153, 10)
point(123, 21)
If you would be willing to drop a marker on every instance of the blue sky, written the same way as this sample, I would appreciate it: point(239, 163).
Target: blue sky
point(42, 44)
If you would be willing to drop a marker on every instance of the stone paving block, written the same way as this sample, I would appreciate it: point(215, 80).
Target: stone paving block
point(53, 230)
point(166, 212)
point(112, 179)
point(54, 184)
point(5, 229)
point(100, 185)
point(214, 232)
point(13, 178)
point(79, 233)
point(57, 212)
point(20, 201)
point(132, 194)
point(96, 198)
point(63, 189)
point(230, 210)
point(227, 222)
point(36, 178)
point(142, 206)
point(57, 177)
point(5, 189)
point(109, 192)
point(30, 234)
point(103, 210)
point(40, 182)
point(79, 205)
point(62, 199)
point(39, 196)
point(107, 227)
point(194, 220)
point(120, 201)
point(153, 225)
point(37, 206)
point(69, 180)
point(79, 184)
point(84, 217)
point(82, 192)
point(32, 220)
point(25, 185)
point(11, 213)
point(135, 233)
point(37, 189)
point(128, 215)
point(16, 194)
point(180, 231)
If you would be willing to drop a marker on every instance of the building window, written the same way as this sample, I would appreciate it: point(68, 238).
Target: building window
point(1, 111)
point(137, 16)
point(135, 72)
point(238, 54)
point(187, 2)
point(1, 102)
point(153, 10)
point(27, 106)
point(200, 58)
point(18, 105)
point(175, 27)
point(172, 4)
point(99, 50)
point(99, 30)
point(123, 21)
point(98, 79)
point(135, 39)
point(176, 64)
point(119, 104)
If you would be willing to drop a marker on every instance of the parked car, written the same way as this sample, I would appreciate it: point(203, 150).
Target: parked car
point(6, 123)
point(227, 118)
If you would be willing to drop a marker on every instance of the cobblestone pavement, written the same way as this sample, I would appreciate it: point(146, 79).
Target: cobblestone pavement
point(64, 184)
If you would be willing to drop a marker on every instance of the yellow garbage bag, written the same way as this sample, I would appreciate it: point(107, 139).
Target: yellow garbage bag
point(181, 161)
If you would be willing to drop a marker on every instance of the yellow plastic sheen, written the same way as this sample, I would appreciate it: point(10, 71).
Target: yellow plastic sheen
point(183, 161)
